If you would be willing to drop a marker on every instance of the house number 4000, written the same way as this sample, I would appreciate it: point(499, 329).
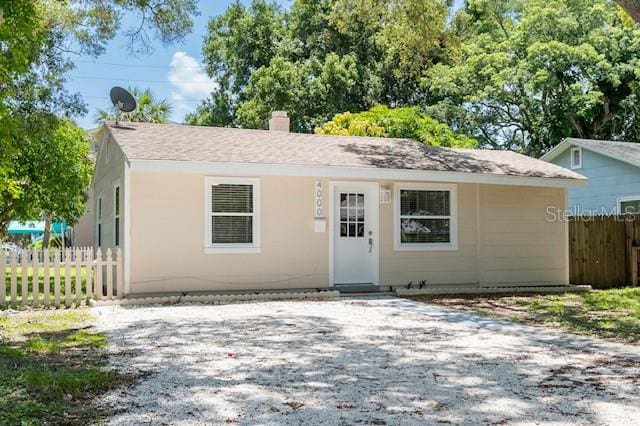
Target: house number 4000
point(318, 189)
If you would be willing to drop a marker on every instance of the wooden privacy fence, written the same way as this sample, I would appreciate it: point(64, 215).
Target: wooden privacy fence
point(603, 250)
point(60, 278)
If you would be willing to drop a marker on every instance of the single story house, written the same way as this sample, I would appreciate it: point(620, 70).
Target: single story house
point(613, 170)
point(222, 209)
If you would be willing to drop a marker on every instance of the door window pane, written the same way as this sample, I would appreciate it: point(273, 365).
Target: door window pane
point(352, 215)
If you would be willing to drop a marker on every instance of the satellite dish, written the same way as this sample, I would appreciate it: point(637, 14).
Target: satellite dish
point(122, 100)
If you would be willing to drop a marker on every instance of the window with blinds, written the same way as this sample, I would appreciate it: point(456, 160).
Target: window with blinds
point(232, 213)
point(425, 217)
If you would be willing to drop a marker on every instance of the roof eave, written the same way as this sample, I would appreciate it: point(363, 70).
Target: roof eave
point(556, 151)
point(565, 144)
point(254, 169)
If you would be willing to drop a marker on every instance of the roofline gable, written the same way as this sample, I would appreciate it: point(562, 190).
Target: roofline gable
point(568, 142)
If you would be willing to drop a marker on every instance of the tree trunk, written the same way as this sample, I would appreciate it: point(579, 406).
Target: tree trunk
point(47, 233)
point(632, 7)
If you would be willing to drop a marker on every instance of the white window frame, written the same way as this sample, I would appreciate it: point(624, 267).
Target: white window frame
point(576, 166)
point(99, 221)
point(453, 216)
point(116, 237)
point(210, 248)
point(626, 198)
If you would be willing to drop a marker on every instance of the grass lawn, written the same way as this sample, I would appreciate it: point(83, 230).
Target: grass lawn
point(610, 314)
point(7, 275)
point(52, 368)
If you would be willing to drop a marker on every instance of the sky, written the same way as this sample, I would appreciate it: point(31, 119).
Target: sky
point(173, 72)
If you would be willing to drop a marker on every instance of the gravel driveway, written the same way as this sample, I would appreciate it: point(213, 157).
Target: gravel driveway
point(382, 361)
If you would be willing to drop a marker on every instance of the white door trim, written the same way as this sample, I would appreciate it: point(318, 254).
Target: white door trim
point(375, 223)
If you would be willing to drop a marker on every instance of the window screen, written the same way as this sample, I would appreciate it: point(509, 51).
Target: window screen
point(630, 207)
point(232, 214)
point(425, 216)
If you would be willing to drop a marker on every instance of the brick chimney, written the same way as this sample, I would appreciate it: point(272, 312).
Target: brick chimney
point(279, 122)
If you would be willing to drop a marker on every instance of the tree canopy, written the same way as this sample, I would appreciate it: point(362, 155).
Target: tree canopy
point(509, 73)
point(320, 58)
point(35, 36)
point(396, 123)
point(530, 73)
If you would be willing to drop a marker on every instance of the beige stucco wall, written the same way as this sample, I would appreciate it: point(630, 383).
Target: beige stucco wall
point(109, 169)
point(167, 245)
point(83, 230)
point(508, 241)
point(517, 242)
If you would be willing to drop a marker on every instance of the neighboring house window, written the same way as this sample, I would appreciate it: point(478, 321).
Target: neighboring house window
point(99, 224)
point(232, 214)
point(425, 217)
point(116, 216)
point(629, 205)
point(576, 158)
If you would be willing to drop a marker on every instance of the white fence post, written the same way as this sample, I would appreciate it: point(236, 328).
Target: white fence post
point(67, 278)
point(78, 269)
point(14, 280)
point(24, 282)
point(36, 279)
point(88, 272)
point(109, 266)
point(98, 276)
point(119, 275)
point(56, 278)
point(45, 277)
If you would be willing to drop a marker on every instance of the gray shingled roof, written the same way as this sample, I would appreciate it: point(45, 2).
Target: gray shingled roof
point(144, 141)
point(626, 151)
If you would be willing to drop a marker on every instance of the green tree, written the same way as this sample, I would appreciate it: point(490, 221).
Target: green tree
point(55, 170)
point(148, 109)
point(35, 36)
point(383, 121)
point(312, 91)
point(378, 50)
point(530, 73)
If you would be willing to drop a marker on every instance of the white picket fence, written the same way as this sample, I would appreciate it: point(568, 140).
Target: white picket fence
point(60, 278)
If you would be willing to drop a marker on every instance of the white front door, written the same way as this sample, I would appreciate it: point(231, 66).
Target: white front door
point(355, 221)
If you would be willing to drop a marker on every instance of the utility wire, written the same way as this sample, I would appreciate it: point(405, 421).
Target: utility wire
point(115, 64)
point(108, 98)
point(87, 77)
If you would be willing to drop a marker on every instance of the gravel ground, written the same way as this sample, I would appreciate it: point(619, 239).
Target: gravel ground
point(382, 361)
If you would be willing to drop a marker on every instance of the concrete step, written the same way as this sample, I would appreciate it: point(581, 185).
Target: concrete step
point(356, 288)
point(377, 295)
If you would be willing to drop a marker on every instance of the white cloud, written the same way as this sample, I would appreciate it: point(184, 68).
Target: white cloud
point(188, 81)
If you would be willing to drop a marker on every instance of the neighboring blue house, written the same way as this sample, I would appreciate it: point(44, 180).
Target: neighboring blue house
point(613, 170)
